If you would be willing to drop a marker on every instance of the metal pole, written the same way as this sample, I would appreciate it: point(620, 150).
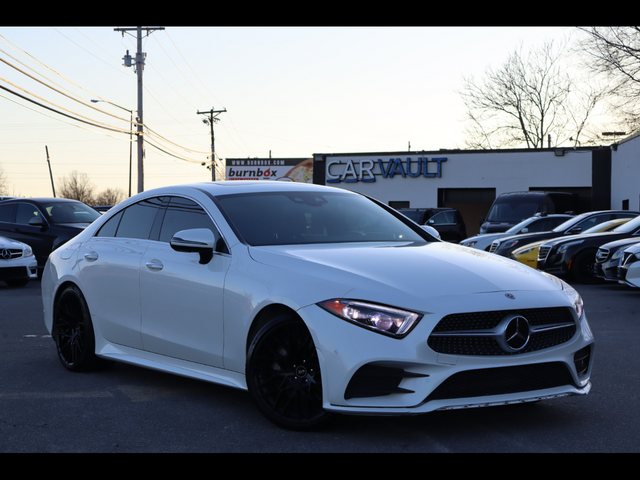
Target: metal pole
point(140, 67)
point(212, 118)
point(50, 173)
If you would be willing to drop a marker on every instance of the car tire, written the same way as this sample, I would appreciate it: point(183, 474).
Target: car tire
point(583, 267)
point(283, 374)
point(73, 333)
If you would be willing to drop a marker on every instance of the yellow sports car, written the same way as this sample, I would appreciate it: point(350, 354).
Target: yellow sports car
point(528, 254)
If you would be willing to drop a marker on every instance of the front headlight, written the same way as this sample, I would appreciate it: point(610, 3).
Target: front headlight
point(27, 252)
point(617, 254)
point(565, 246)
point(527, 250)
point(379, 318)
point(574, 296)
point(509, 244)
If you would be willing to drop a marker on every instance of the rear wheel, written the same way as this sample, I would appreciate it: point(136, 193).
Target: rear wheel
point(283, 374)
point(73, 332)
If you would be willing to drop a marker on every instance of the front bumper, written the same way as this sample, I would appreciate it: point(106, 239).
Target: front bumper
point(18, 269)
point(367, 373)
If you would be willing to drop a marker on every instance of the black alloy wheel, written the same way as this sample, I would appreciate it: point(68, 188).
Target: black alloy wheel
point(583, 268)
point(283, 375)
point(73, 332)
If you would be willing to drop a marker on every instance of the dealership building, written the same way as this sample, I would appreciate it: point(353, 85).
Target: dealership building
point(605, 177)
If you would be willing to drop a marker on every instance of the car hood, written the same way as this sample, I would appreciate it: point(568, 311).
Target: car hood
point(486, 236)
point(526, 238)
point(9, 243)
point(597, 237)
point(78, 226)
point(623, 243)
point(435, 269)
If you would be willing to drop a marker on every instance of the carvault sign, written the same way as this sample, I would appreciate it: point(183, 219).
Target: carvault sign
point(369, 170)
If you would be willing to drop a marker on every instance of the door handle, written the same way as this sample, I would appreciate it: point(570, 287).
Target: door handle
point(91, 256)
point(155, 265)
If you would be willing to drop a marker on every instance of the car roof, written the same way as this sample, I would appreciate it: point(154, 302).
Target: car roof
point(41, 200)
point(227, 187)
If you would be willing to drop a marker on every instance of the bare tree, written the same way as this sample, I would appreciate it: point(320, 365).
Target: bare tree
point(527, 101)
point(614, 53)
point(3, 182)
point(77, 187)
point(110, 196)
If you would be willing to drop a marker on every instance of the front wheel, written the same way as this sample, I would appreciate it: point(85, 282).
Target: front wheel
point(73, 332)
point(583, 268)
point(283, 374)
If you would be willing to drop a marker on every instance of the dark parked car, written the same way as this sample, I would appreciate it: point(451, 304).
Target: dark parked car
point(608, 258)
point(578, 224)
point(447, 221)
point(44, 223)
point(575, 255)
point(513, 207)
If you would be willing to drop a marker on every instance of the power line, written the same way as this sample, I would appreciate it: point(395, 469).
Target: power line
point(54, 108)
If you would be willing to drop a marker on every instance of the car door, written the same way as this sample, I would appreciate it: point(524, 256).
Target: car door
point(182, 299)
point(39, 237)
point(109, 271)
point(445, 223)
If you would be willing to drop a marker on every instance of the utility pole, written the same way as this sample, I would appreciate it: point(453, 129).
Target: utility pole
point(139, 67)
point(213, 117)
point(50, 173)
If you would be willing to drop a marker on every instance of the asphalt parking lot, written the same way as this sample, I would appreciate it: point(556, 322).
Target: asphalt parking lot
point(44, 408)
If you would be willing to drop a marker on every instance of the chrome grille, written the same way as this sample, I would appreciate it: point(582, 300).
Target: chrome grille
point(10, 253)
point(602, 255)
point(478, 333)
point(543, 253)
point(494, 247)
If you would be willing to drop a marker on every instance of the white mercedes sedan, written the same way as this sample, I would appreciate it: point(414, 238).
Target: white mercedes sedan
point(316, 300)
point(17, 263)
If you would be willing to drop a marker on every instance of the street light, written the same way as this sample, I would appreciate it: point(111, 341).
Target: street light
point(130, 134)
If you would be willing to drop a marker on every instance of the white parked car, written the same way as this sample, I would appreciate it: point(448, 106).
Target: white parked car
point(530, 225)
point(18, 265)
point(629, 266)
point(316, 300)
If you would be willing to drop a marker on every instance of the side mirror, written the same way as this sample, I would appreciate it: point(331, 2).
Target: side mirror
point(200, 240)
point(524, 230)
point(432, 231)
point(37, 222)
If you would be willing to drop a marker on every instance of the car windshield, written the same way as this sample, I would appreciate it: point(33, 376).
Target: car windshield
point(510, 212)
point(628, 227)
point(69, 212)
point(284, 218)
point(516, 228)
point(570, 223)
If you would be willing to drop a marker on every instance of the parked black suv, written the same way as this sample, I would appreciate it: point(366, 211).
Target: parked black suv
point(447, 221)
point(44, 223)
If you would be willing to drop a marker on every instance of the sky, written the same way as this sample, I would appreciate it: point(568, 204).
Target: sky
point(288, 92)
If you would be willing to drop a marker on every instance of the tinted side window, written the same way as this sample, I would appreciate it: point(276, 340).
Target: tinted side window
point(545, 224)
point(138, 219)
point(7, 213)
point(183, 214)
point(25, 212)
point(595, 220)
point(110, 227)
point(443, 218)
